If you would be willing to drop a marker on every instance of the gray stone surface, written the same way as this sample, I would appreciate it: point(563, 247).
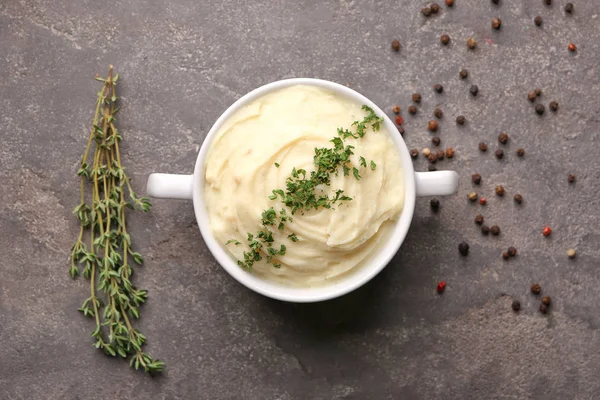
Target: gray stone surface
point(182, 63)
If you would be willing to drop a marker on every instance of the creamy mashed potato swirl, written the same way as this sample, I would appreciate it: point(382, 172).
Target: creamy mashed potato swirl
point(285, 127)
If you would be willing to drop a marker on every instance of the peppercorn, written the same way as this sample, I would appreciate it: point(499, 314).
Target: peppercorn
point(471, 43)
point(474, 89)
point(543, 308)
point(476, 178)
point(412, 110)
point(518, 198)
point(435, 140)
point(539, 108)
point(463, 73)
point(499, 154)
point(441, 287)
point(396, 109)
point(531, 96)
point(395, 45)
point(495, 229)
point(483, 201)
point(472, 196)
point(440, 154)
point(438, 113)
point(485, 229)
point(463, 248)
point(449, 3)
point(426, 151)
point(520, 152)
point(548, 2)
point(537, 21)
point(503, 138)
point(536, 288)
point(431, 167)
point(512, 251)
point(399, 120)
point(483, 146)
point(445, 39)
point(571, 253)
point(438, 88)
point(432, 157)
point(572, 47)
point(500, 190)
point(479, 219)
point(496, 23)
point(414, 153)
point(505, 255)
point(553, 106)
point(569, 8)
point(571, 178)
point(538, 92)
point(416, 97)
point(546, 300)
point(547, 231)
point(495, 2)
point(435, 204)
point(460, 120)
point(449, 152)
point(426, 11)
point(401, 130)
point(516, 305)
point(432, 125)
point(434, 8)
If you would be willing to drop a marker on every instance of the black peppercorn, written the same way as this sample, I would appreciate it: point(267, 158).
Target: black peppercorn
point(571, 178)
point(548, 2)
point(546, 300)
point(537, 21)
point(569, 8)
point(463, 248)
point(496, 23)
point(463, 73)
point(543, 308)
point(438, 88)
point(434, 7)
point(553, 106)
point(495, 2)
point(435, 204)
point(536, 288)
point(395, 45)
point(505, 255)
point(499, 154)
point(432, 125)
point(531, 96)
point(538, 92)
point(503, 138)
point(440, 154)
point(474, 89)
point(471, 43)
point(512, 251)
point(449, 152)
point(516, 305)
point(435, 140)
point(483, 146)
point(495, 229)
point(539, 109)
point(414, 153)
point(426, 11)
point(500, 190)
point(460, 120)
point(518, 198)
point(401, 130)
point(412, 110)
point(438, 113)
point(476, 178)
point(432, 167)
point(479, 219)
point(445, 39)
point(520, 152)
point(485, 229)
point(432, 158)
point(416, 97)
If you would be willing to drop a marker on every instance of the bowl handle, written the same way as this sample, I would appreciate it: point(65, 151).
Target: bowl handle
point(436, 183)
point(170, 186)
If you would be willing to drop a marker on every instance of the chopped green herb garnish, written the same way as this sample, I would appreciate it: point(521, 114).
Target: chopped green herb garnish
point(236, 242)
point(373, 165)
point(276, 165)
point(293, 237)
point(363, 162)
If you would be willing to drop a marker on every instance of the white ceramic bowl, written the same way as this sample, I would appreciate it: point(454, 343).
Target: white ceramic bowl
point(415, 184)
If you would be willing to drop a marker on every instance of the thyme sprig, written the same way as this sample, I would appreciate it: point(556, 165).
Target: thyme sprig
point(108, 256)
point(303, 191)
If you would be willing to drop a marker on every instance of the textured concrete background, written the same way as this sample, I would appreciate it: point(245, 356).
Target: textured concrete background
point(182, 63)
